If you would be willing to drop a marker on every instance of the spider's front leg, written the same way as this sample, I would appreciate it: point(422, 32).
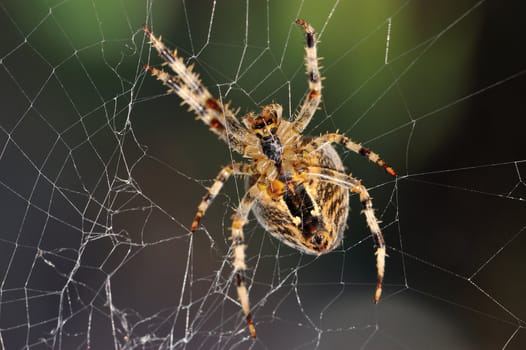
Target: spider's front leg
point(313, 98)
point(356, 186)
point(186, 83)
point(213, 191)
point(320, 141)
point(238, 251)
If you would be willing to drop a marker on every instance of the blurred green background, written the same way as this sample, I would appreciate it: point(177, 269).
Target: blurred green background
point(102, 172)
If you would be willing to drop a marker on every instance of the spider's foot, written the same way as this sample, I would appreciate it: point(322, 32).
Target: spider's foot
point(390, 171)
point(251, 327)
point(306, 26)
point(146, 30)
point(367, 152)
point(380, 267)
point(195, 224)
point(378, 292)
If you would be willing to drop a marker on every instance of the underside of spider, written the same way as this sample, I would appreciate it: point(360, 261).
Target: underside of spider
point(297, 186)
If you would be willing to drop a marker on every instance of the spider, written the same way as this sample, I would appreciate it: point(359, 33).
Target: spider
point(297, 187)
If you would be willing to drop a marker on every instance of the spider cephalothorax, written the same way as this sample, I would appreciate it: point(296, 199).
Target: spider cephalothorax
point(265, 126)
point(297, 186)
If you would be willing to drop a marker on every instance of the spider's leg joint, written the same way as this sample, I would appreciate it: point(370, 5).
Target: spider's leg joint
point(212, 103)
point(313, 94)
point(309, 30)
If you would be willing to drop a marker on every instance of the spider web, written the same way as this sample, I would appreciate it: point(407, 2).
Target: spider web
point(101, 173)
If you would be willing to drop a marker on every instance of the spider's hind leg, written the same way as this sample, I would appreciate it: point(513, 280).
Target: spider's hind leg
point(238, 251)
point(238, 221)
point(356, 186)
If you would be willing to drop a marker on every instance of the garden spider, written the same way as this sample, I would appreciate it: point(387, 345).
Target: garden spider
point(297, 185)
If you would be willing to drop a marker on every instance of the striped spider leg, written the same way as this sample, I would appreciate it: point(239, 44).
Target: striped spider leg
point(352, 146)
point(313, 98)
point(235, 168)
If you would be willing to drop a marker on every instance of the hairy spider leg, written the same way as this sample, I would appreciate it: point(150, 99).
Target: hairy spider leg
point(188, 86)
point(320, 141)
point(239, 219)
point(313, 97)
point(354, 185)
point(213, 191)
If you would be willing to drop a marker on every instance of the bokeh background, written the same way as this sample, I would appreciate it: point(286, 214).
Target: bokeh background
point(101, 172)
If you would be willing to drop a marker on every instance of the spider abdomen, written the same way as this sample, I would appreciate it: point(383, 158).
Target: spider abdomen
point(311, 215)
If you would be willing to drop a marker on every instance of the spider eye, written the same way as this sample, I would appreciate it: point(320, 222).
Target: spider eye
point(266, 123)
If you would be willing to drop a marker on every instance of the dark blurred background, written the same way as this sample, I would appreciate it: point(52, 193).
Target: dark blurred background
point(101, 173)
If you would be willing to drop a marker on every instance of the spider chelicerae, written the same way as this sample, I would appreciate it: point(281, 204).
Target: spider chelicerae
point(297, 187)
